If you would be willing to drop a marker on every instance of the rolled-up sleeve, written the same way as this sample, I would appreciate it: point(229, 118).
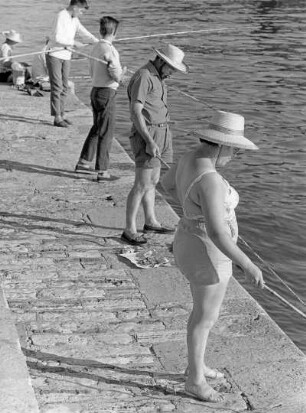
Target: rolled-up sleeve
point(114, 67)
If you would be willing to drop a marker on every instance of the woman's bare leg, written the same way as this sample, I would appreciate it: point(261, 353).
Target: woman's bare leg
point(207, 302)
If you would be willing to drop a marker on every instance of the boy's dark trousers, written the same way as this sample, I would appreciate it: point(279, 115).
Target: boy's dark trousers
point(100, 137)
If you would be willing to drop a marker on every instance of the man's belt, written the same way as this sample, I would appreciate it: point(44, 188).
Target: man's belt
point(159, 125)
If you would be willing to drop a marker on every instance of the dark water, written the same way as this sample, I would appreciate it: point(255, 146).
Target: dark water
point(257, 69)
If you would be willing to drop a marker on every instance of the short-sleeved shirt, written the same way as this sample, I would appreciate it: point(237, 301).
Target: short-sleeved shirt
point(5, 52)
point(148, 88)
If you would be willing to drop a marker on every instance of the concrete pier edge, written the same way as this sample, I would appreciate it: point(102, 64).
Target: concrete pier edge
point(264, 370)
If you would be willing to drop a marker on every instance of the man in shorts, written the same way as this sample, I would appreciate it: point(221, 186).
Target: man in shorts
point(150, 138)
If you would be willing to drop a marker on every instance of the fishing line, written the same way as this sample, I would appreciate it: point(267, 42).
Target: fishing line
point(285, 301)
point(272, 271)
point(191, 97)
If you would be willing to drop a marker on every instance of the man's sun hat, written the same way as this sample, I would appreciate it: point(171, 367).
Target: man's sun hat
point(13, 36)
point(227, 129)
point(173, 56)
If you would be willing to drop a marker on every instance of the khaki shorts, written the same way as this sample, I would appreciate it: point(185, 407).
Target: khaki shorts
point(162, 137)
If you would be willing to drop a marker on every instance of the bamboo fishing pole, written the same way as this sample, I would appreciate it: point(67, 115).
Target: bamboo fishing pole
point(87, 55)
point(32, 53)
point(181, 33)
point(138, 38)
point(55, 49)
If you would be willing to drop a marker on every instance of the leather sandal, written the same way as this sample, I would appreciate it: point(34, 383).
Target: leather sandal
point(211, 374)
point(209, 395)
point(134, 239)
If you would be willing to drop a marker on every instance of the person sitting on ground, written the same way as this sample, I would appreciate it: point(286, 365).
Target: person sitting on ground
point(150, 138)
point(205, 241)
point(11, 39)
point(106, 75)
point(62, 39)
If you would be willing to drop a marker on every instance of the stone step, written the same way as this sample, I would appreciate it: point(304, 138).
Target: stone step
point(81, 303)
point(115, 354)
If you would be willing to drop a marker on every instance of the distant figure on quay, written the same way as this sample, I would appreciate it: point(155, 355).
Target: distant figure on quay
point(205, 241)
point(65, 27)
point(11, 39)
point(150, 138)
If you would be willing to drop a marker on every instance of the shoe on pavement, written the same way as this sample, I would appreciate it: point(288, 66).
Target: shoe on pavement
point(158, 230)
point(134, 239)
point(104, 174)
point(60, 124)
point(84, 169)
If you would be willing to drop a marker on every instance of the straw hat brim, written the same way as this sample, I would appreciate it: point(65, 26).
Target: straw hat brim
point(182, 67)
point(14, 38)
point(236, 141)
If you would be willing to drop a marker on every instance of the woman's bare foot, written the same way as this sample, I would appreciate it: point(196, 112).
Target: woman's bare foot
point(209, 373)
point(204, 392)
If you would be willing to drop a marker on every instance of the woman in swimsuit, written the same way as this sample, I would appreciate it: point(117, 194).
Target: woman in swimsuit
point(205, 241)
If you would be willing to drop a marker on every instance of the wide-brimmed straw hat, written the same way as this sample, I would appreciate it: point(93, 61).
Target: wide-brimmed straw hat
point(13, 36)
point(173, 56)
point(226, 129)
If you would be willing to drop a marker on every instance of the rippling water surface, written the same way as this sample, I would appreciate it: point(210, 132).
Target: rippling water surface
point(257, 68)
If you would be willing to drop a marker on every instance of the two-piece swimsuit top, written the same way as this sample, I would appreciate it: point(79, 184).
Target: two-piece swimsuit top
point(193, 211)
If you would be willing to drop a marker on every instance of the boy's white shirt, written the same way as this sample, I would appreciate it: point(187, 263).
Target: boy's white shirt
point(65, 27)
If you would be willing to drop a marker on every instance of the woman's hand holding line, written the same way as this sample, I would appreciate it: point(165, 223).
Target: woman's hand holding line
point(253, 274)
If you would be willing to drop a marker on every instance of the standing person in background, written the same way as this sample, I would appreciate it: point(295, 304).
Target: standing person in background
point(106, 76)
point(11, 39)
point(205, 242)
point(150, 138)
point(65, 28)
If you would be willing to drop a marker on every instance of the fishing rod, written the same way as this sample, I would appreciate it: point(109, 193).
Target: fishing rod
point(55, 49)
point(88, 56)
point(181, 33)
point(138, 38)
point(33, 53)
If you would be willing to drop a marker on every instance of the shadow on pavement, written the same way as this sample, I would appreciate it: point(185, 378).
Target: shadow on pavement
point(38, 169)
point(40, 365)
point(18, 118)
point(19, 223)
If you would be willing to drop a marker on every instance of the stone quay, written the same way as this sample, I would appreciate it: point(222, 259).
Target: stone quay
point(83, 330)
